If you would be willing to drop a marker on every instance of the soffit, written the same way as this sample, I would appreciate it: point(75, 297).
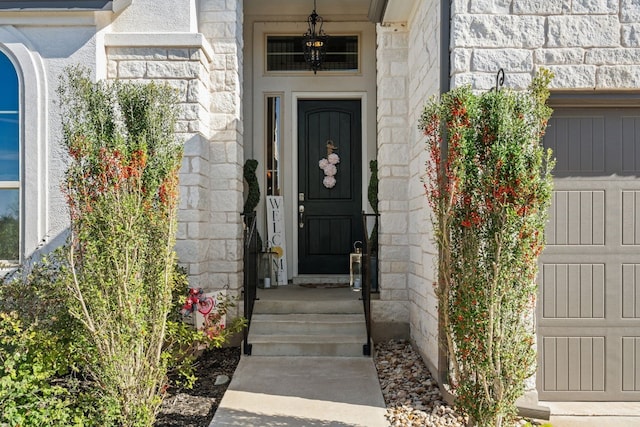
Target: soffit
point(56, 4)
point(398, 10)
point(336, 10)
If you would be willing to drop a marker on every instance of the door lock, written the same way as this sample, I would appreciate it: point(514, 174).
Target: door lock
point(301, 216)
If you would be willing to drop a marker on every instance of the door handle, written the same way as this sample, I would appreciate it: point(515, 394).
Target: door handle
point(301, 216)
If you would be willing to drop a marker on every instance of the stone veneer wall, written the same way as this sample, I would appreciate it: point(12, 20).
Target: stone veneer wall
point(587, 44)
point(391, 311)
point(221, 24)
point(424, 82)
point(408, 74)
point(187, 70)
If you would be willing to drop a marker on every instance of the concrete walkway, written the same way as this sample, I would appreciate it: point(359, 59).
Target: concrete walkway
point(594, 414)
point(303, 391)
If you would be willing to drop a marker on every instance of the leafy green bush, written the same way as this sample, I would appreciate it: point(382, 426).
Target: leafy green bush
point(121, 187)
point(29, 362)
point(489, 195)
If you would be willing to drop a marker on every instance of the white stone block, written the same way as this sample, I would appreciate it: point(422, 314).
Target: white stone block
point(191, 111)
point(226, 201)
point(181, 233)
point(459, 6)
point(392, 189)
point(177, 69)
point(137, 53)
point(197, 230)
point(389, 311)
point(573, 76)
point(559, 56)
point(224, 47)
point(399, 107)
point(497, 31)
point(112, 69)
point(224, 266)
point(187, 249)
point(583, 31)
point(399, 171)
point(197, 198)
point(392, 88)
point(132, 69)
point(198, 92)
point(631, 35)
point(393, 154)
point(620, 56)
point(538, 7)
point(618, 77)
point(492, 60)
point(188, 215)
point(225, 171)
point(478, 81)
point(178, 54)
point(214, 5)
point(491, 6)
point(223, 102)
point(630, 10)
point(594, 6)
point(397, 295)
point(461, 60)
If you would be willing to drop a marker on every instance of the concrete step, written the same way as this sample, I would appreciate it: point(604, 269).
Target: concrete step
point(306, 345)
point(309, 324)
point(308, 307)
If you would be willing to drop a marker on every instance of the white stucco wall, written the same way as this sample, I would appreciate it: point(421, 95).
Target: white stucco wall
point(587, 44)
point(41, 47)
point(144, 40)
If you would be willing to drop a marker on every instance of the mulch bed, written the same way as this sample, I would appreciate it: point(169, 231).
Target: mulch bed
point(196, 407)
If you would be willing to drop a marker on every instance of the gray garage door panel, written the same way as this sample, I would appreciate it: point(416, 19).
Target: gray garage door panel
point(589, 302)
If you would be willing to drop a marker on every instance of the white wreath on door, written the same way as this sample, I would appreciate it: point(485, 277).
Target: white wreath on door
point(328, 165)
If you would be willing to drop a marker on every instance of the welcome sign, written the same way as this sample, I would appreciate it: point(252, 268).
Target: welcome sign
point(276, 237)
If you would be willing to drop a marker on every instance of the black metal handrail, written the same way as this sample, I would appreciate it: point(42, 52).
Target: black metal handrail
point(367, 250)
point(251, 254)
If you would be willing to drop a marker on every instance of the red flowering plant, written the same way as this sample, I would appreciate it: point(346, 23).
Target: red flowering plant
point(122, 192)
point(489, 189)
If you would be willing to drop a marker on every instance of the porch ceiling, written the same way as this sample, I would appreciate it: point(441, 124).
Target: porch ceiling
point(335, 10)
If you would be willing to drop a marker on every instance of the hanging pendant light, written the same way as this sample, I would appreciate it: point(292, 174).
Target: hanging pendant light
point(314, 41)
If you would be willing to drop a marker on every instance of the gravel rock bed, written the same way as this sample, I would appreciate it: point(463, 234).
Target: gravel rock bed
point(410, 392)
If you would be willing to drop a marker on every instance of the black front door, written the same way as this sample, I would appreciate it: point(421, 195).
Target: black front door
point(329, 193)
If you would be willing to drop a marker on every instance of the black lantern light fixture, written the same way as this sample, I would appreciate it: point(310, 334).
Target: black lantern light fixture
point(314, 41)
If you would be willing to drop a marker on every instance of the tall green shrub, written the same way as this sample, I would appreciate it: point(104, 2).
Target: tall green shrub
point(121, 187)
point(489, 193)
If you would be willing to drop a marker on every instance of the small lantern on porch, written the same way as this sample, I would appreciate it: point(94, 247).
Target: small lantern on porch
point(267, 270)
point(314, 41)
point(355, 267)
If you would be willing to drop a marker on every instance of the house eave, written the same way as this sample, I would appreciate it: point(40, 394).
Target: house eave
point(387, 11)
point(56, 5)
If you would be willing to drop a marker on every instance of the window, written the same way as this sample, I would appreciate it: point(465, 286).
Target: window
point(273, 145)
point(284, 53)
point(9, 163)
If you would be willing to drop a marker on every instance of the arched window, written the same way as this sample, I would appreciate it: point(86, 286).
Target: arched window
point(9, 163)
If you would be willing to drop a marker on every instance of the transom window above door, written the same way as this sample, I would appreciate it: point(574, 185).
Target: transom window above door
point(285, 53)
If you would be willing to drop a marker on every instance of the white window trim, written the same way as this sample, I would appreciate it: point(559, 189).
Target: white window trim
point(33, 138)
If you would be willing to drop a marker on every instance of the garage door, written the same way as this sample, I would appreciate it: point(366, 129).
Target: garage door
point(589, 306)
